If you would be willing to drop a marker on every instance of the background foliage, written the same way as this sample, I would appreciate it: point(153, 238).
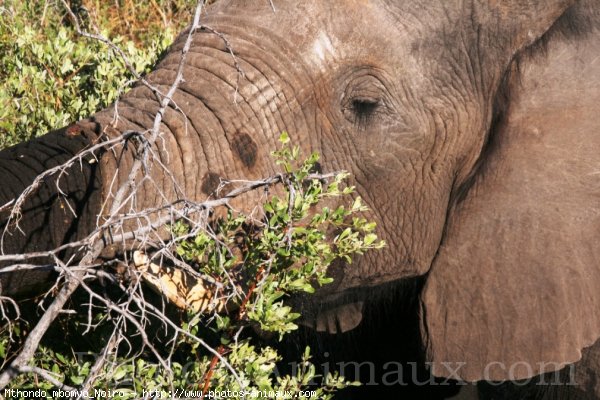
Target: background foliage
point(50, 76)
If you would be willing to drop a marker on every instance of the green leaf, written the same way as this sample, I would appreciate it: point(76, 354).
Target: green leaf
point(284, 138)
point(61, 358)
point(119, 373)
point(370, 239)
point(66, 67)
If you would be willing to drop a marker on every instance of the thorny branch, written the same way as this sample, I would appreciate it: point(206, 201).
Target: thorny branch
point(47, 375)
point(133, 309)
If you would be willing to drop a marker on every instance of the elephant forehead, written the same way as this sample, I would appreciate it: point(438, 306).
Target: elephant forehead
point(358, 35)
point(325, 34)
point(322, 48)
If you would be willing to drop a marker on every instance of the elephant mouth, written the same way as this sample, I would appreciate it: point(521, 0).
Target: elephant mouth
point(327, 310)
point(342, 311)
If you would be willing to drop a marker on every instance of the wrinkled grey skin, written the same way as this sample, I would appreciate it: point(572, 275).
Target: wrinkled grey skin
point(485, 183)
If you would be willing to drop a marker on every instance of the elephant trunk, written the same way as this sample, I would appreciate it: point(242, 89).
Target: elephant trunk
point(72, 176)
point(203, 140)
point(61, 209)
point(224, 120)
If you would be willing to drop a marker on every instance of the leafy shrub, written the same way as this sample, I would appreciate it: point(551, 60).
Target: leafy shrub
point(284, 253)
point(139, 21)
point(51, 76)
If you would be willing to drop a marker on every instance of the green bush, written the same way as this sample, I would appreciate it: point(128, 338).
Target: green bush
point(284, 253)
point(50, 76)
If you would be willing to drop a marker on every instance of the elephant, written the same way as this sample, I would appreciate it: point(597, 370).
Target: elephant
point(469, 129)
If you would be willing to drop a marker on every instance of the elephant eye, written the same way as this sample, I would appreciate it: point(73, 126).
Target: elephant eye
point(363, 110)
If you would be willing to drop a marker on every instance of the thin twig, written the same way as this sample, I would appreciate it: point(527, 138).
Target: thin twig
point(35, 336)
point(188, 208)
point(112, 344)
point(47, 375)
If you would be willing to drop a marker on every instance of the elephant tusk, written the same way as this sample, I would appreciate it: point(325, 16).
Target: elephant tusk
point(180, 288)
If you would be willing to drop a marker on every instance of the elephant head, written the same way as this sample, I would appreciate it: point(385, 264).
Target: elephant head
point(404, 96)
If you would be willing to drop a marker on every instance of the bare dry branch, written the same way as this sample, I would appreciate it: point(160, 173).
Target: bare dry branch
point(115, 227)
point(35, 336)
point(47, 375)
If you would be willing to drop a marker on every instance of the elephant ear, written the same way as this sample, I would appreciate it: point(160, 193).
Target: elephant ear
point(515, 288)
point(522, 23)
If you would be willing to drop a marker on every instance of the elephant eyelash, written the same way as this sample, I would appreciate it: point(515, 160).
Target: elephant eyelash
point(364, 110)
